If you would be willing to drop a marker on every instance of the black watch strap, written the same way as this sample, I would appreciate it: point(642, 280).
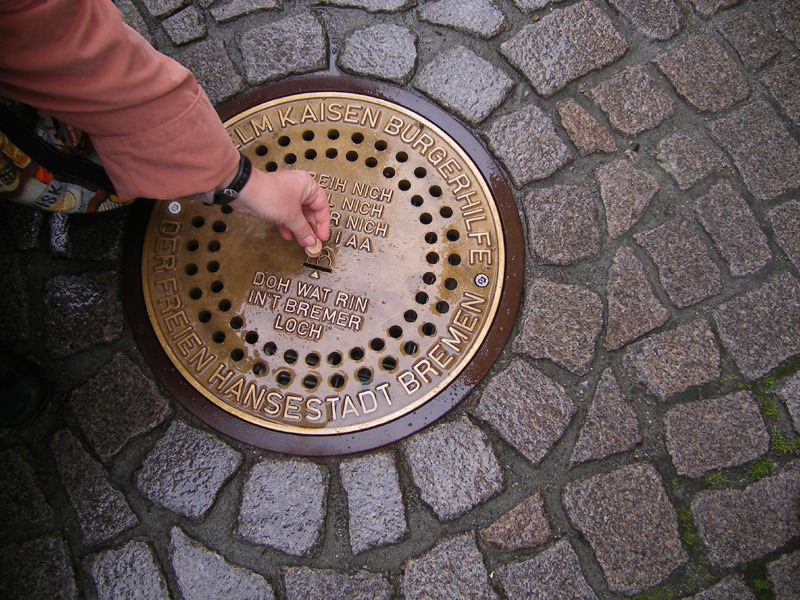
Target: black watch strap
point(231, 192)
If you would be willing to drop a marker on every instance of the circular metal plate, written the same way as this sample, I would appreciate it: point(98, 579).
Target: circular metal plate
point(404, 299)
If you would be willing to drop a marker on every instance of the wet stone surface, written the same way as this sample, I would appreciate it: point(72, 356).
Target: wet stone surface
point(117, 405)
point(564, 45)
point(626, 192)
point(555, 574)
point(787, 19)
point(586, 132)
point(763, 150)
point(186, 470)
point(633, 307)
point(454, 467)
point(480, 18)
point(689, 159)
point(532, 422)
point(560, 323)
point(632, 101)
point(785, 221)
point(103, 511)
point(782, 84)
point(39, 568)
point(283, 505)
point(302, 583)
point(610, 425)
point(675, 360)
point(464, 83)
point(730, 222)
point(130, 572)
point(704, 75)
point(526, 142)
point(630, 523)
point(563, 228)
point(685, 267)
point(524, 526)
point(202, 573)
point(714, 434)
point(453, 567)
point(655, 19)
point(738, 526)
point(374, 500)
point(762, 328)
point(755, 44)
point(382, 51)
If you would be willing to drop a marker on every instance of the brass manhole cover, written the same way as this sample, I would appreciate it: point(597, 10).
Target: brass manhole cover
point(400, 304)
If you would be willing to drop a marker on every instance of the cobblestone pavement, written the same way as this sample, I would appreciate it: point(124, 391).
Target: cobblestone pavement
point(638, 436)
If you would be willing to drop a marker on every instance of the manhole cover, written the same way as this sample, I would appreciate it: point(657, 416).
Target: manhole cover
point(409, 304)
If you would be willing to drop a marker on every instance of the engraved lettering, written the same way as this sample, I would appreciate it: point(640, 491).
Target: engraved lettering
point(220, 377)
point(285, 118)
point(291, 410)
point(254, 397)
point(313, 413)
point(202, 358)
point(273, 408)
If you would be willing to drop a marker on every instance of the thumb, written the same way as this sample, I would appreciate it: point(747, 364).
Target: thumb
point(299, 226)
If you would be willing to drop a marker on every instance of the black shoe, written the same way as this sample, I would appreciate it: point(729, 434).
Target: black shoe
point(24, 390)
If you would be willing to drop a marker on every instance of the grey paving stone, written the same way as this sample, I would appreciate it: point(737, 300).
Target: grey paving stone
point(611, 425)
point(303, 583)
point(785, 221)
point(525, 141)
point(528, 409)
point(465, 83)
point(524, 526)
point(92, 237)
point(764, 151)
point(715, 434)
point(374, 501)
point(103, 511)
point(586, 132)
point(530, 5)
point(233, 9)
point(730, 588)
point(81, 311)
point(675, 360)
point(117, 405)
point(730, 222)
point(454, 467)
point(479, 18)
point(20, 227)
point(383, 51)
point(560, 323)
point(689, 159)
point(134, 19)
point(564, 45)
point(555, 574)
point(186, 26)
point(283, 505)
point(298, 44)
point(632, 101)
point(630, 524)
point(202, 573)
point(373, 5)
point(453, 568)
point(131, 572)
point(655, 19)
point(186, 469)
point(787, 19)
point(626, 192)
point(789, 392)
point(784, 574)
point(707, 8)
point(213, 69)
point(738, 526)
point(754, 44)
point(162, 8)
point(633, 307)
point(782, 83)
point(760, 329)
point(685, 267)
point(14, 320)
point(703, 74)
point(22, 502)
point(37, 569)
point(563, 228)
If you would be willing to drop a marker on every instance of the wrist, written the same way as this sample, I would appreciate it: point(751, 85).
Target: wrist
point(227, 193)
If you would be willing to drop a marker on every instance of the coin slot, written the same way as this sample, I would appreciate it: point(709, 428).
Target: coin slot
point(317, 267)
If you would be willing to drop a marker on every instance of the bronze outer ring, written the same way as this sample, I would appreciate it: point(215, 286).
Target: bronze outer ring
point(367, 439)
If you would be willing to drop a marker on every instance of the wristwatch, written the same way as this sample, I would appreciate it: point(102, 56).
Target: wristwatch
point(231, 192)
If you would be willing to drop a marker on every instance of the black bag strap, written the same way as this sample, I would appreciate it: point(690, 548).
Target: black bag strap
point(73, 167)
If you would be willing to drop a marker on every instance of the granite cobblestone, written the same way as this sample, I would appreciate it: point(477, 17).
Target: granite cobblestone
point(130, 572)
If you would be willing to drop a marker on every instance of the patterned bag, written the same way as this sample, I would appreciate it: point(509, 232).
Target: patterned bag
point(49, 165)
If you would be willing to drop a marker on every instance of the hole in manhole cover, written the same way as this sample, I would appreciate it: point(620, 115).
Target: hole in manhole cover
point(410, 303)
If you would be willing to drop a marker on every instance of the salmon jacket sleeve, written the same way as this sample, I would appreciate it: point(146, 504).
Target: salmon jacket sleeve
point(154, 128)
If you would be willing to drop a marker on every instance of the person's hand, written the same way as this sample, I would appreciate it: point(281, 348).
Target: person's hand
point(290, 199)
